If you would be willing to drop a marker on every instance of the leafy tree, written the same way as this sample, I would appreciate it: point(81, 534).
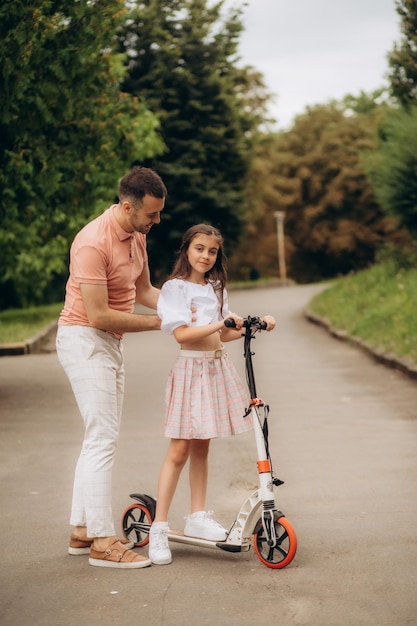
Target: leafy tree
point(392, 170)
point(182, 61)
point(403, 58)
point(314, 173)
point(67, 134)
point(256, 254)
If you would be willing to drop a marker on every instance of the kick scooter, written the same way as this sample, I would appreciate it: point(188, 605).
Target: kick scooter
point(258, 521)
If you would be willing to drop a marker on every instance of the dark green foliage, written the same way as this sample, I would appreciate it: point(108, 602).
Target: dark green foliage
point(403, 58)
point(392, 170)
point(67, 134)
point(181, 60)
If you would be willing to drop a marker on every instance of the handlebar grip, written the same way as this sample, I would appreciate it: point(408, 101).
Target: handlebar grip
point(250, 322)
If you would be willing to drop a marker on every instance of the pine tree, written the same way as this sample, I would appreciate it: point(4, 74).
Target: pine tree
point(182, 62)
point(392, 170)
point(403, 58)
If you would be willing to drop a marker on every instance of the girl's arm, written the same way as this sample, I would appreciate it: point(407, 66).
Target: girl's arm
point(190, 334)
point(230, 334)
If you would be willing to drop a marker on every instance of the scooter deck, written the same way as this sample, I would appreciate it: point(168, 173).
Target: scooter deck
point(179, 537)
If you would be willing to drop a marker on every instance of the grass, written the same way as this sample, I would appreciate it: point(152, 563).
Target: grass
point(377, 305)
point(20, 324)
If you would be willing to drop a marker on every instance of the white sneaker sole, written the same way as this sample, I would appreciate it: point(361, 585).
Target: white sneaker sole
point(165, 561)
point(196, 535)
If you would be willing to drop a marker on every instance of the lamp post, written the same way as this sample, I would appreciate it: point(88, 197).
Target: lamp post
point(280, 216)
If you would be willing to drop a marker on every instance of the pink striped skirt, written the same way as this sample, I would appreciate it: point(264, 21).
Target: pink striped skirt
point(205, 399)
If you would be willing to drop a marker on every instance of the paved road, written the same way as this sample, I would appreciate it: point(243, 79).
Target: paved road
point(343, 433)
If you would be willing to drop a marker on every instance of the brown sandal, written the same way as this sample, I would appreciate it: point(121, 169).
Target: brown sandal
point(117, 556)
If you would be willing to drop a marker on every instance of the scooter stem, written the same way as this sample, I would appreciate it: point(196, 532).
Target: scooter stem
point(266, 487)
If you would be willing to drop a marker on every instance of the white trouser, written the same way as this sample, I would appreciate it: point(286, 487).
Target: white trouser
point(93, 362)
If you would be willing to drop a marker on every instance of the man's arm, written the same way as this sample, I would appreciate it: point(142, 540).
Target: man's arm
point(146, 293)
point(101, 316)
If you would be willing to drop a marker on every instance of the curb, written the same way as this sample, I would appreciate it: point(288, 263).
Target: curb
point(386, 358)
point(35, 344)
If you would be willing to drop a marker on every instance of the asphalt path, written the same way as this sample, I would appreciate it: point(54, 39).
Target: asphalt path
point(343, 433)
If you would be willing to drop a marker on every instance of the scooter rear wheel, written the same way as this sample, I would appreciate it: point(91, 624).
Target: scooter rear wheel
point(136, 522)
point(283, 552)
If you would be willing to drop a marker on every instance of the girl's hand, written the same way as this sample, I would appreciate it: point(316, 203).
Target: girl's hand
point(238, 320)
point(270, 322)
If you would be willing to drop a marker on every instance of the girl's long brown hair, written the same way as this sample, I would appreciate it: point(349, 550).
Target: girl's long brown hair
point(217, 275)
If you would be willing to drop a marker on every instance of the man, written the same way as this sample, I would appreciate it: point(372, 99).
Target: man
point(109, 272)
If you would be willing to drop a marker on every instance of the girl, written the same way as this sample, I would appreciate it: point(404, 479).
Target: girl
point(205, 397)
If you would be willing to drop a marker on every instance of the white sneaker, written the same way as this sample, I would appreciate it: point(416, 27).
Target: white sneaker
point(159, 552)
point(202, 526)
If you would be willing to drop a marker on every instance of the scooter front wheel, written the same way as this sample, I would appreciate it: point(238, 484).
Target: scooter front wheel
point(136, 522)
point(282, 553)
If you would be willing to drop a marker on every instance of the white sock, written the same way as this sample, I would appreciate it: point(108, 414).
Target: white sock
point(159, 526)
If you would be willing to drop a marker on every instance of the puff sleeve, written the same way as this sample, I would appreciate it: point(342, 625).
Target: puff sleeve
point(174, 306)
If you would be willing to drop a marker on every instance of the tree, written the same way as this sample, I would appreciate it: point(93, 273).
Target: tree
point(314, 173)
point(403, 58)
point(256, 253)
point(392, 170)
point(182, 61)
point(67, 133)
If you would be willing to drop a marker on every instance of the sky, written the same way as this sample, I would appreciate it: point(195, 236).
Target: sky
point(313, 51)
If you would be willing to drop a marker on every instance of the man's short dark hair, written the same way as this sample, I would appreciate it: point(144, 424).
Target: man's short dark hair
point(139, 182)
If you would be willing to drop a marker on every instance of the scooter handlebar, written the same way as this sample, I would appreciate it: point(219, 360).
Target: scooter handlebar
point(248, 322)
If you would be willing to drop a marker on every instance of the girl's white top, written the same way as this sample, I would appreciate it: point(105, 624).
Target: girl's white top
point(179, 296)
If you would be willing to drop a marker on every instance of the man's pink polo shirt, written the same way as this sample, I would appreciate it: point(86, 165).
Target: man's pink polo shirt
point(102, 253)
